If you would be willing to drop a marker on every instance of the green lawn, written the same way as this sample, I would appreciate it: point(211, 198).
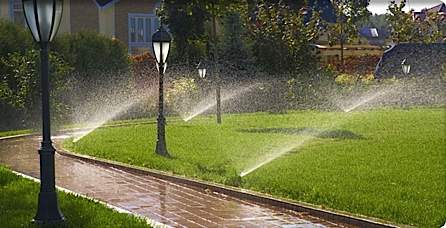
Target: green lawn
point(18, 205)
point(14, 132)
point(386, 163)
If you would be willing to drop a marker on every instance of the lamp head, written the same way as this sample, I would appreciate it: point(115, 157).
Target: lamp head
point(405, 66)
point(43, 18)
point(161, 43)
point(202, 69)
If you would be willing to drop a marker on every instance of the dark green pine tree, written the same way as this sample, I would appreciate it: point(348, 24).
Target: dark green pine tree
point(234, 50)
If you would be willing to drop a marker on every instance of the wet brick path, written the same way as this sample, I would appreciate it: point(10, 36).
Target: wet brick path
point(160, 200)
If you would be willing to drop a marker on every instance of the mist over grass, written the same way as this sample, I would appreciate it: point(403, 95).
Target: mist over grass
point(385, 163)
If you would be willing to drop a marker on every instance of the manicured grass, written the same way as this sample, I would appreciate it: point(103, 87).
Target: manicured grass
point(18, 205)
point(14, 132)
point(384, 163)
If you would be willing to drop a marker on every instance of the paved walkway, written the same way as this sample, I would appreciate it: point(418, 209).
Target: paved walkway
point(165, 202)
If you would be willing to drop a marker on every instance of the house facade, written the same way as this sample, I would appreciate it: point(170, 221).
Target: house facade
point(131, 21)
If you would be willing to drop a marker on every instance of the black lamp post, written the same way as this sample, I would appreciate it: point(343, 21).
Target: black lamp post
point(43, 18)
point(161, 44)
point(202, 70)
point(405, 67)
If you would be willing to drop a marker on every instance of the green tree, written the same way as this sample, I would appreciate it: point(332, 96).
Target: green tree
point(13, 38)
point(349, 13)
point(233, 46)
point(92, 55)
point(281, 38)
point(194, 25)
point(401, 23)
point(405, 29)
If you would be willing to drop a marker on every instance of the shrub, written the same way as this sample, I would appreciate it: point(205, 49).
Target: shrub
point(144, 71)
point(345, 79)
point(92, 54)
point(20, 85)
point(182, 94)
point(365, 64)
point(13, 38)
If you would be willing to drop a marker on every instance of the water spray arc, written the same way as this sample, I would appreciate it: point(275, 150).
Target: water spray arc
point(295, 145)
point(207, 103)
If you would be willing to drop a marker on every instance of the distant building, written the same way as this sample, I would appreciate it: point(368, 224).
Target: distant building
point(131, 21)
point(426, 60)
point(440, 9)
point(371, 39)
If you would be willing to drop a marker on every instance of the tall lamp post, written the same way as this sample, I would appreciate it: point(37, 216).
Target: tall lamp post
point(202, 70)
point(43, 18)
point(161, 44)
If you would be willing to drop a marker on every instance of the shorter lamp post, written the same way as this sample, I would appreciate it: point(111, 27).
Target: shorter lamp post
point(43, 18)
point(161, 43)
point(405, 66)
point(202, 70)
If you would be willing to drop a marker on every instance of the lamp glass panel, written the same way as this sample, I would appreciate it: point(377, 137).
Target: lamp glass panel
point(202, 72)
point(28, 7)
point(57, 19)
point(157, 50)
point(164, 68)
point(165, 47)
point(406, 68)
point(45, 18)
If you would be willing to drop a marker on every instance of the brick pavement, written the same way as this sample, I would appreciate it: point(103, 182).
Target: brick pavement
point(160, 200)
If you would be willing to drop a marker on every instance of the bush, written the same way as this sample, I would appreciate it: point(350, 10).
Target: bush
point(182, 94)
point(13, 38)
point(20, 85)
point(91, 54)
point(346, 79)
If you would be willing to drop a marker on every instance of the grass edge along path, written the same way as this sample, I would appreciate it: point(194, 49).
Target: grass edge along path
point(15, 132)
point(18, 205)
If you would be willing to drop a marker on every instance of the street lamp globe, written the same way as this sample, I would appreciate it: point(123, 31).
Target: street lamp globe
point(405, 66)
point(43, 18)
point(161, 44)
point(201, 69)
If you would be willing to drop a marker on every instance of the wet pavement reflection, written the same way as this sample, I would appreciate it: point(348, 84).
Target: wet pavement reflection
point(163, 201)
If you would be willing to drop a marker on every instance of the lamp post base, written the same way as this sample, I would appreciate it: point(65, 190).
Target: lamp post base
point(47, 210)
point(161, 149)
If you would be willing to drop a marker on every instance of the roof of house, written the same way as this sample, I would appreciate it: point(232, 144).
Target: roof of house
point(438, 8)
point(426, 60)
point(369, 32)
point(105, 3)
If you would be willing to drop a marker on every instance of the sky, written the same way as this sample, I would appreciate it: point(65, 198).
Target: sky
point(380, 6)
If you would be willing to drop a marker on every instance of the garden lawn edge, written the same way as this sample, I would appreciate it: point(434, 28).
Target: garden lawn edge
point(149, 221)
point(329, 214)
